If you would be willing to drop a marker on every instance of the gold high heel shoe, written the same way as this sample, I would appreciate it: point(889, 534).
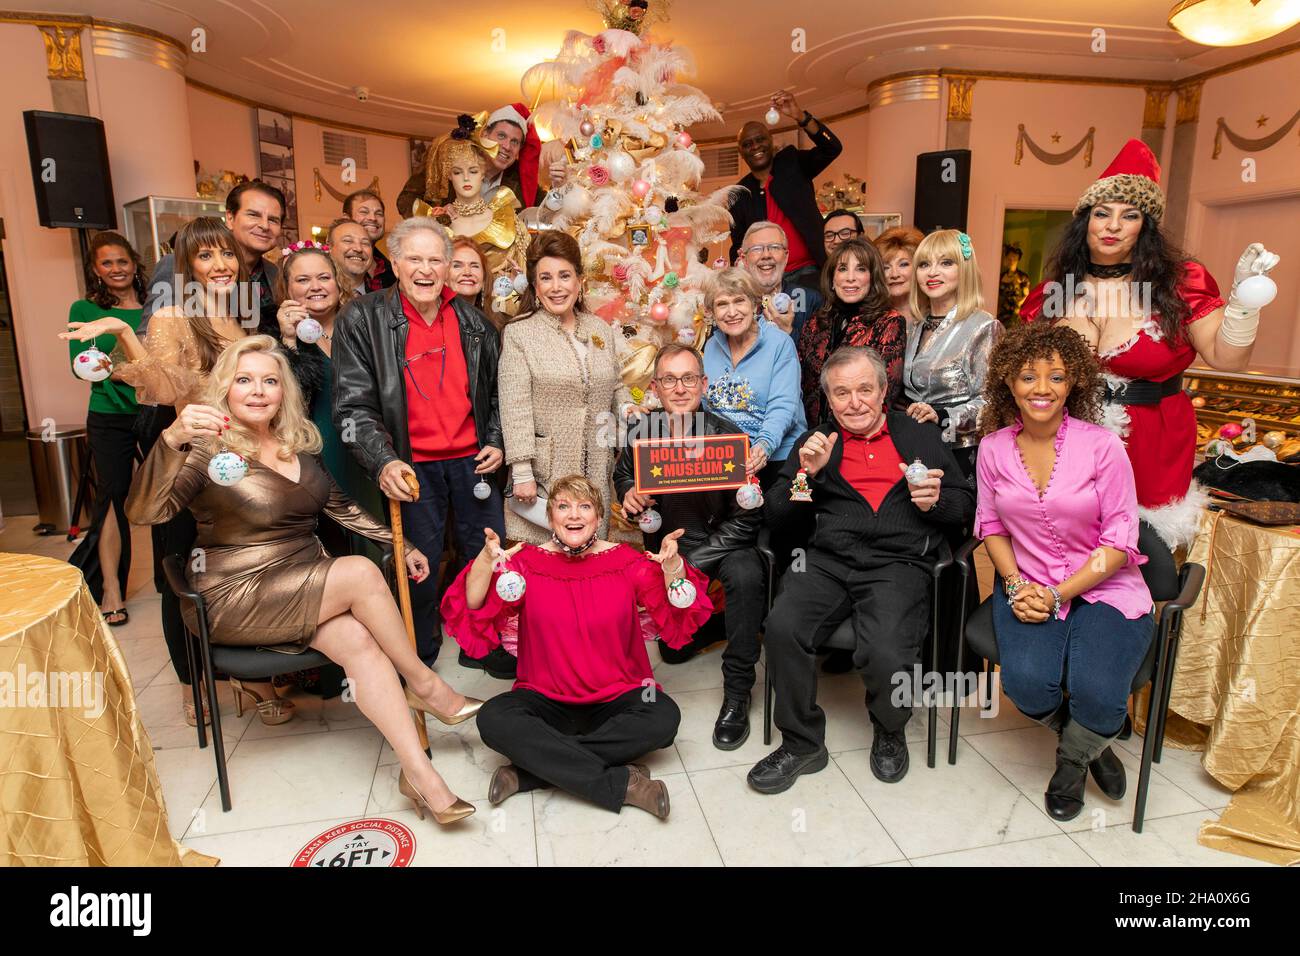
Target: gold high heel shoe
point(271, 711)
point(472, 704)
point(457, 811)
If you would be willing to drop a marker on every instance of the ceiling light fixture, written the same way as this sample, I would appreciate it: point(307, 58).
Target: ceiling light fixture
point(1233, 22)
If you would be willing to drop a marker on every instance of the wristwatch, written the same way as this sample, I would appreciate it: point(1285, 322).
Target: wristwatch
point(807, 118)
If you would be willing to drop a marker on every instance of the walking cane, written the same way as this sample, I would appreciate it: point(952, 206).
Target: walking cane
point(404, 589)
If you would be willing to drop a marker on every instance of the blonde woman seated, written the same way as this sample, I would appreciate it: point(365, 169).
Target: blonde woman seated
point(267, 580)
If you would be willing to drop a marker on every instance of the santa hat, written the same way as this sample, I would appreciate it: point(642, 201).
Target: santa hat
point(1133, 177)
point(529, 152)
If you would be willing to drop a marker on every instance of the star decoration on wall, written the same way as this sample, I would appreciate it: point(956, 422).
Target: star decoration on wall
point(1261, 121)
point(1056, 137)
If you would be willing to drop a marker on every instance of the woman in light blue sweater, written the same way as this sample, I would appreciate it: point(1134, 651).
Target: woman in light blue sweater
point(753, 373)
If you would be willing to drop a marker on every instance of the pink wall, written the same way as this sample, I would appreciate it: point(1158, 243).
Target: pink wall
point(899, 132)
point(221, 133)
point(387, 157)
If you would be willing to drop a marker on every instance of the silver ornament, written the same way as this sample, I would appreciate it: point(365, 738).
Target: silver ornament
point(482, 490)
point(916, 472)
point(309, 331)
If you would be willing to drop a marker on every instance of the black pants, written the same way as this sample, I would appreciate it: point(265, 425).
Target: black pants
point(580, 748)
point(744, 584)
point(890, 609)
point(112, 441)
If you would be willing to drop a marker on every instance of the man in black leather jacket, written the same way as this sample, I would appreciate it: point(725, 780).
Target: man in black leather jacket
point(720, 535)
point(415, 394)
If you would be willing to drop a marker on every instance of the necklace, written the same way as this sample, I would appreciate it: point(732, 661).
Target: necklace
point(1110, 272)
point(573, 552)
point(472, 208)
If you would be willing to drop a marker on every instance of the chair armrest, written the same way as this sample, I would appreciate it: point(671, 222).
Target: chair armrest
point(1193, 576)
point(764, 546)
point(968, 548)
point(943, 560)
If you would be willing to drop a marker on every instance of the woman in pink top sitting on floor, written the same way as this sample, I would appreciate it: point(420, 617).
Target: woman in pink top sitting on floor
point(585, 705)
point(1058, 514)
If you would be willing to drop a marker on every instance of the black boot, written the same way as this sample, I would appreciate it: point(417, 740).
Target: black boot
point(1108, 771)
point(732, 727)
point(1056, 720)
point(1078, 748)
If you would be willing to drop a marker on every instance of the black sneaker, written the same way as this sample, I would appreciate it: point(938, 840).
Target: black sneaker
point(778, 771)
point(888, 754)
point(498, 663)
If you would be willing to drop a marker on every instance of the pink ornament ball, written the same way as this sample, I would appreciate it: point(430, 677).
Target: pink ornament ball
point(1230, 431)
point(684, 140)
point(659, 312)
point(641, 188)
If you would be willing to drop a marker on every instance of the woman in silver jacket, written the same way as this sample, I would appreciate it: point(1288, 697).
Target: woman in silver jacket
point(948, 349)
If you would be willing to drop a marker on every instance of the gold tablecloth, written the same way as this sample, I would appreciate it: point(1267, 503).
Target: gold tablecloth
point(78, 785)
point(1237, 681)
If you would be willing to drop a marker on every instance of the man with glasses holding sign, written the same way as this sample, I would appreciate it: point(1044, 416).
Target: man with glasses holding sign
point(720, 535)
point(415, 394)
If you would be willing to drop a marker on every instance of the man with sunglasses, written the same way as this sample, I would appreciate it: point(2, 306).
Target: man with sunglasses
point(415, 396)
point(720, 535)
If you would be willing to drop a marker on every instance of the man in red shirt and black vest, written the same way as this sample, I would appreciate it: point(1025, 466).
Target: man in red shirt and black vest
point(873, 538)
point(780, 189)
point(415, 393)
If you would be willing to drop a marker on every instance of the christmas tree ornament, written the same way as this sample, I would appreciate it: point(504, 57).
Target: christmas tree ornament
point(586, 127)
point(650, 521)
point(554, 200)
point(621, 165)
point(520, 283)
point(684, 139)
point(686, 336)
point(681, 593)
point(671, 280)
point(782, 302)
point(799, 490)
point(92, 365)
point(772, 117)
point(227, 468)
point(482, 490)
point(720, 262)
point(1230, 431)
point(916, 472)
point(640, 188)
point(749, 496)
point(309, 331)
point(511, 586)
point(502, 287)
point(1274, 440)
point(653, 214)
point(659, 312)
point(597, 141)
point(1256, 292)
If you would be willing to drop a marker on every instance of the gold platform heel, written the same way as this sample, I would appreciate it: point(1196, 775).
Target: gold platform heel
point(471, 707)
point(457, 811)
point(272, 711)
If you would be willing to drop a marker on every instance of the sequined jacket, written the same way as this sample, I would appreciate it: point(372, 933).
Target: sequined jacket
point(834, 325)
point(948, 374)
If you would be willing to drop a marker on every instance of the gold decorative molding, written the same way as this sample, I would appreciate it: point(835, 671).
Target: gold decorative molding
point(1156, 108)
point(319, 120)
point(128, 45)
point(961, 93)
point(904, 89)
point(1189, 103)
point(63, 52)
point(340, 196)
point(1250, 145)
point(1055, 159)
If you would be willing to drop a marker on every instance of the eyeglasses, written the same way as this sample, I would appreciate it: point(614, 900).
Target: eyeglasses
point(442, 372)
point(689, 380)
point(772, 247)
point(840, 234)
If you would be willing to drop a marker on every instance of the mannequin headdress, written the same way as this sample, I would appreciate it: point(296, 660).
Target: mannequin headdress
point(463, 144)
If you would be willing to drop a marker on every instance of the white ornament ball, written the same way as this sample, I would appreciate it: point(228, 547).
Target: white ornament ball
point(227, 468)
point(1256, 292)
point(749, 496)
point(772, 116)
point(482, 490)
point(309, 331)
point(782, 302)
point(653, 214)
point(92, 365)
point(511, 586)
point(502, 287)
point(650, 521)
point(686, 336)
point(554, 200)
point(620, 165)
point(916, 472)
point(520, 283)
point(681, 593)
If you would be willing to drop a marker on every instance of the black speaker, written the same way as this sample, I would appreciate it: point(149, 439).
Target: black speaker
point(69, 158)
point(942, 190)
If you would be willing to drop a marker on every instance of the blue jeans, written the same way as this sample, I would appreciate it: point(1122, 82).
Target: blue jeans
point(1093, 654)
point(446, 486)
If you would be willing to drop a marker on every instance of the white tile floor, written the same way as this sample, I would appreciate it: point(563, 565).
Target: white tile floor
point(328, 766)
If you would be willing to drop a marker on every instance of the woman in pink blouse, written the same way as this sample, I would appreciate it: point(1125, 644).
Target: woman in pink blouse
point(1058, 514)
point(585, 704)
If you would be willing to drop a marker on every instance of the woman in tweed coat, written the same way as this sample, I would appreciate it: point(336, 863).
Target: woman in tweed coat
point(560, 384)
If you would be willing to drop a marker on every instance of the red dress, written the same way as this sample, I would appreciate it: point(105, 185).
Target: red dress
point(1164, 454)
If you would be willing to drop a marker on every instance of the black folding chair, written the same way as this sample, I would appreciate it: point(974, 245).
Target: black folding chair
point(1179, 588)
point(843, 638)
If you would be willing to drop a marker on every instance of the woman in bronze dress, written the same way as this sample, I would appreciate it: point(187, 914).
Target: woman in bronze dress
point(267, 580)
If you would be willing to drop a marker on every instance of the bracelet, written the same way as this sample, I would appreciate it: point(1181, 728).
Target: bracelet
point(1011, 585)
point(1056, 600)
point(681, 569)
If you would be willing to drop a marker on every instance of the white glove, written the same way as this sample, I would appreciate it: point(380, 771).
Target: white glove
point(1256, 260)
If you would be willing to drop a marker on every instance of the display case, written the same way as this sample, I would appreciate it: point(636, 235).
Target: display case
point(1222, 397)
point(152, 221)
